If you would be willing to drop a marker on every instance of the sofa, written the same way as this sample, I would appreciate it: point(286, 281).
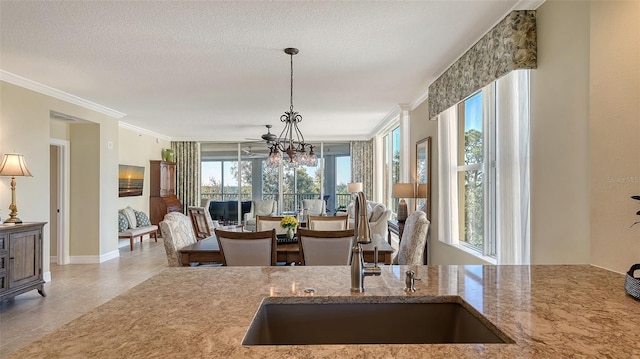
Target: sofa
point(377, 214)
point(132, 224)
point(225, 211)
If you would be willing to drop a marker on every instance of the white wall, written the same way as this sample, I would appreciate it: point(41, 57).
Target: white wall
point(137, 149)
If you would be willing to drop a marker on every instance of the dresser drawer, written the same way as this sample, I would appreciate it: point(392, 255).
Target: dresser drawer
point(3, 243)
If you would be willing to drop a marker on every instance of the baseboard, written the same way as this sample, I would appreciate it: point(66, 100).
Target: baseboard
point(46, 276)
point(94, 259)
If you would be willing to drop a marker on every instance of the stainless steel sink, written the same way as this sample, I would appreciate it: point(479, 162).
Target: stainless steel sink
point(370, 320)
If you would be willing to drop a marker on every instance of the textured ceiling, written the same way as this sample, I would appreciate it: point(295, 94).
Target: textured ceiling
point(205, 70)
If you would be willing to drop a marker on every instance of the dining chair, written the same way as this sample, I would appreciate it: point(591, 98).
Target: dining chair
point(247, 248)
point(177, 232)
point(265, 223)
point(414, 240)
point(266, 207)
point(322, 248)
point(203, 224)
point(327, 223)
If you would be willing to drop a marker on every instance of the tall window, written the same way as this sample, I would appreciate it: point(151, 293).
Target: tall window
point(471, 172)
point(343, 176)
point(391, 144)
point(483, 179)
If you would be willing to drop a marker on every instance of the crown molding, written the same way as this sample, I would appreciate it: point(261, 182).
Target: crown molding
point(390, 118)
point(144, 131)
point(60, 95)
point(418, 101)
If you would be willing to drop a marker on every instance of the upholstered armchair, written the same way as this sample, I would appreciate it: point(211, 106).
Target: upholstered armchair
point(414, 240)
point(313, 207)
point(265, 207)
point(177, 232)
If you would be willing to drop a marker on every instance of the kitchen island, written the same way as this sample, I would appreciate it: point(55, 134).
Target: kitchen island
point(548, 311)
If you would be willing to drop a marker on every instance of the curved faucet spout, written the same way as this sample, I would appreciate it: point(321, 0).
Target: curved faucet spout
point(361, 220)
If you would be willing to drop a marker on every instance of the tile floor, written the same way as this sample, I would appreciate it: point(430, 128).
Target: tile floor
point(75, 289)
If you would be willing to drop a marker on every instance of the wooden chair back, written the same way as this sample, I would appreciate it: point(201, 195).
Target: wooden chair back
point(327, 223)
point(265, 223)
point(325, 247)
point(247, 248)
point(200, 223)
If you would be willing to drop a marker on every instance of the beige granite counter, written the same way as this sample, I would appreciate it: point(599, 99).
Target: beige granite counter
point(549, 311)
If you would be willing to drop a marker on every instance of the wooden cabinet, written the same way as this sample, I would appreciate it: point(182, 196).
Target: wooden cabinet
point(162, 192)
point(21, 259)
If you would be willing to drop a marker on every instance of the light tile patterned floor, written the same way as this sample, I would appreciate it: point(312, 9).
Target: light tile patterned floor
point(75, 289)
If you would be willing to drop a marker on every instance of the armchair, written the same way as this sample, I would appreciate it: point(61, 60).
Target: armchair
point(267, 207)
point(313, 207)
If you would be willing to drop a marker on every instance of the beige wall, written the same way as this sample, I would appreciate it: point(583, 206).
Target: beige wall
point(137, 149)
point(559, 135)
point(614, 125)
point(585, 137)
point(25, 127)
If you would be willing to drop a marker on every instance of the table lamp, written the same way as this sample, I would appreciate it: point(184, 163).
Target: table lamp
point(402, 191)
point(13, 165)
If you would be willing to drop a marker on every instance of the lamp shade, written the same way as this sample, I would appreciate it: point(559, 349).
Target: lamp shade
point(354, 187)
point(14, 165)
point(402, 190)
point(422, 190)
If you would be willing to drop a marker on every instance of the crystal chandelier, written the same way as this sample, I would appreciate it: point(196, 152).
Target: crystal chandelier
point(291, 141)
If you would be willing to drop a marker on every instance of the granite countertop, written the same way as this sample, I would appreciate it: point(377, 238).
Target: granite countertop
point(549, 311)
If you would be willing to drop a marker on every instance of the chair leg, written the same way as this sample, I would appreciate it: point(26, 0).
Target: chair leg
point(155, 236)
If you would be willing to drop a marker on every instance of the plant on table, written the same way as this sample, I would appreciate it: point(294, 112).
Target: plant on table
point(289, 222)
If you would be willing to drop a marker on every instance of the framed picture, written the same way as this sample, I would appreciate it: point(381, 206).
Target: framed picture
point(423, 175)
point(130, 180)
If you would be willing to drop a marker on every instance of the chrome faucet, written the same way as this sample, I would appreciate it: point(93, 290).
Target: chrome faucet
point(362, 232)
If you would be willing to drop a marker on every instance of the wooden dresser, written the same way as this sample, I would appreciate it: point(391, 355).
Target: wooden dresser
point(162, 192)
point(21, 259)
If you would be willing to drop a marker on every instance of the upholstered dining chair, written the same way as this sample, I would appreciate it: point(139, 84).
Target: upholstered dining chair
point(247, 248)
point(327, 223)
point(322, 248)
point(262, 207)
point(265, 223)
point(177, 232)
point(414, 240)
point(203, 224)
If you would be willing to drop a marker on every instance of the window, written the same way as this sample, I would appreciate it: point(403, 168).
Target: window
point(474, 189)
point(391, 144)
point(476, 211)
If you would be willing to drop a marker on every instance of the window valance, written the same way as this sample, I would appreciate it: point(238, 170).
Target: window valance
point(508, 46)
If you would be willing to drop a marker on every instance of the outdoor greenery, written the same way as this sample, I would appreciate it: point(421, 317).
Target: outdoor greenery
point(473, 190)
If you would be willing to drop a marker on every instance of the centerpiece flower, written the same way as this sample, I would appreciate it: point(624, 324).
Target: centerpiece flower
point(289, 223)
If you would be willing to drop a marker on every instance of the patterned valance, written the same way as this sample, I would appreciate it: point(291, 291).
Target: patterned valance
point(509, 46)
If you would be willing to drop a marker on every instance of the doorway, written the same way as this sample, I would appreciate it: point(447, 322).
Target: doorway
point(59, 201)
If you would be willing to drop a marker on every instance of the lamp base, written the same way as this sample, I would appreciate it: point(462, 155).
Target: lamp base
point(15, 220)
point(402, 211)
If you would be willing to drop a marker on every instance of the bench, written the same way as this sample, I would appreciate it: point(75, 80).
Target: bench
point(131, 233)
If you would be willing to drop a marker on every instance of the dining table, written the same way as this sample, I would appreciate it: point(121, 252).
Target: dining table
point(208, 251)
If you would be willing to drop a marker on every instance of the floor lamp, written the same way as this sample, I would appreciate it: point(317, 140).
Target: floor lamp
point(13, 165)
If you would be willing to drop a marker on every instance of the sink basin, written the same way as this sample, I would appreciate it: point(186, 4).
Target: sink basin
point(370, 320)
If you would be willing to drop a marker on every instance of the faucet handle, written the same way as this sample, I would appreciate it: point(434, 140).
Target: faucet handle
point(410, 284)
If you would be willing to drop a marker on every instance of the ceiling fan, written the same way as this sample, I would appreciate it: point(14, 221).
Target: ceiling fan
point(268, 137)
point(247, 152)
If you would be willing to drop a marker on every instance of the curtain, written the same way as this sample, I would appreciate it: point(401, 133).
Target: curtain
point(362, 165)
point(187, 157)
point(448, 176)
point(512, 168)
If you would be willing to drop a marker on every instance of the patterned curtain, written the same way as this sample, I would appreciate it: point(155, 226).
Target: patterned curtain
point(187, 157)
point(362, 165)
